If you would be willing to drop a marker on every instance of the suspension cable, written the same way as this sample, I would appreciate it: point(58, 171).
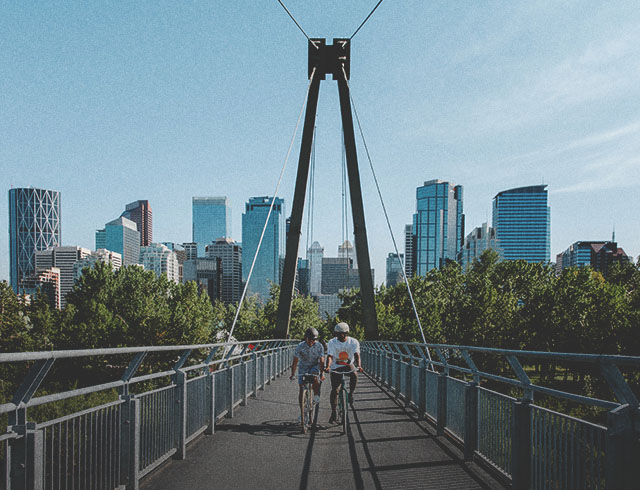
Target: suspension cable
point(365, 20)
point(296, 23)
point(386, 215)
point(273, 200)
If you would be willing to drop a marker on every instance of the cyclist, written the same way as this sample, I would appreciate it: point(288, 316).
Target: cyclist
point(342, 352)
point(310, 355)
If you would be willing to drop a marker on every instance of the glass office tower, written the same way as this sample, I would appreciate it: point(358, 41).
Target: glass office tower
point(522, 220)
point(140, 213)
point(211, 220)
point(34, 224)
point(267, 266)
point(438, 225)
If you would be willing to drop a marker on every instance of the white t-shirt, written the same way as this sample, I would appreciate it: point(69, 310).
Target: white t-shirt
point(342, 352)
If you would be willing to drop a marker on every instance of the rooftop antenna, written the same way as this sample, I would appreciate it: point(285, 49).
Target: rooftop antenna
point(613, 233)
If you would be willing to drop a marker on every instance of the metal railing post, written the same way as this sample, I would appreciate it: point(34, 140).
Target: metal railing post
point(521, 444)
point(621, 449)
point(255, 379)
point(422, 404)
point(26, 455)
point(408, 384)
point(211, 426)
point(230, 383)
point(245, 387)
point(470, 420)
point(264, 371)
point(180, 380)
point(441, 415)
point(130, 442)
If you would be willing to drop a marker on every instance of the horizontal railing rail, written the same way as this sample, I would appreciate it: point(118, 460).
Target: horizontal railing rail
point(115, 444)
point(531, 446)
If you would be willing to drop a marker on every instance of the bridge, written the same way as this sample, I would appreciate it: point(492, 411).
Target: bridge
point(225, 414)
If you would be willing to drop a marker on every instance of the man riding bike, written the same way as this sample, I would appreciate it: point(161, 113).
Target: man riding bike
point(310, 356)
point(343, 356)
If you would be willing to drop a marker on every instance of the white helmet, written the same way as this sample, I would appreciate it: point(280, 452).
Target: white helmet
point(341, 327)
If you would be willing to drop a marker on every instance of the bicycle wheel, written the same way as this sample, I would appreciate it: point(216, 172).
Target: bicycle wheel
point(345, 410)
point(305, 408)
point(342, 408)
point(308, 408)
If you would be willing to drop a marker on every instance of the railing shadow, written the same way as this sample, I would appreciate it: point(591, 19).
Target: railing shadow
point(431, 470)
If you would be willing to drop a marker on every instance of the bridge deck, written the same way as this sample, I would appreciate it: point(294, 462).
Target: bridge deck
point(262, 447)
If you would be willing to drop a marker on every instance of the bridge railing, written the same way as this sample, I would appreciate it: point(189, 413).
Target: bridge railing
point(532, 446)
point(113, 445)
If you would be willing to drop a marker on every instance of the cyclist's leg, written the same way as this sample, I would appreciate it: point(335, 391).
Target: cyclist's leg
point(316, 380)
point(336, 379)
point(353, 381)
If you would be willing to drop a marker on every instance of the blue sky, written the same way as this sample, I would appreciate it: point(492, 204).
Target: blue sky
point(110, 102)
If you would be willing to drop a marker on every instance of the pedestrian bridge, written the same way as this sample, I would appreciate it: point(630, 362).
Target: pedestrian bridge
point(225, 416)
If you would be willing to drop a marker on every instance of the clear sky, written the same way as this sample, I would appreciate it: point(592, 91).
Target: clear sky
point(110, 102)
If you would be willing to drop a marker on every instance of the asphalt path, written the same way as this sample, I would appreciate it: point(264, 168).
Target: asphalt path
point(262, 447)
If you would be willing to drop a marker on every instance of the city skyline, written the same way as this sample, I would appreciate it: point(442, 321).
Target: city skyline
point(552, 99)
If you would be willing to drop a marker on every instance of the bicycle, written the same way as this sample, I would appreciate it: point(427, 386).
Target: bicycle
point(307, 407)
point(342, 408)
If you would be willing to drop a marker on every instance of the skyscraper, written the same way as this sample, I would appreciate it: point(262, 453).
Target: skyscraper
point(120, 235)
point(476, 242)
point(598, 255)
point(522, 220)
point(346, 250)
point(230, 255)
point(211, 220)
point(64, 258)
point(34, 224)
point(394, 269)
point(140, 213)
point(315, 255)
point(409, 251)
point(159, 259)
point(438, 224)
point(267, 266)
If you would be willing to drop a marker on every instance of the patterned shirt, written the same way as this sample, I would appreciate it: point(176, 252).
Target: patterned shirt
point(309, 356)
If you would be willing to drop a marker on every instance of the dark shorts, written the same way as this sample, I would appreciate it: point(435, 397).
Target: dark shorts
point(307, 370)
point(336, 377)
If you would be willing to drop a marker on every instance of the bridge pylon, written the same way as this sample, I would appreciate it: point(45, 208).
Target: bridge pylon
point(324, 59)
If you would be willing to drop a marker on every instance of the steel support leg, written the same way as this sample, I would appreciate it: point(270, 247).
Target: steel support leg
point(295, 224)
point(359, 228)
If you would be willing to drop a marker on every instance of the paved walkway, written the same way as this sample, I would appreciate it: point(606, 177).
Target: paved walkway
point(262, 448)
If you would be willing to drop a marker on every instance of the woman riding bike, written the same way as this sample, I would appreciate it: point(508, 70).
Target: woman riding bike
point(309, 356)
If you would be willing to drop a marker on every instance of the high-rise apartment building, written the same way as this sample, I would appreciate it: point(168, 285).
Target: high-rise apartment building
point(211, 220)
point(598, 255)
point(120, 235)
point(47, 283)
point(315, 255)
point(34, 224)
point(100, 255)
point(522, 220)
point(480, 239)
point(267, 265)
point(230, 255)
point(140, 213)
point(409, 251)
point(159, 259)
point(394, 269)
point(64, 258)
point(438, 224)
